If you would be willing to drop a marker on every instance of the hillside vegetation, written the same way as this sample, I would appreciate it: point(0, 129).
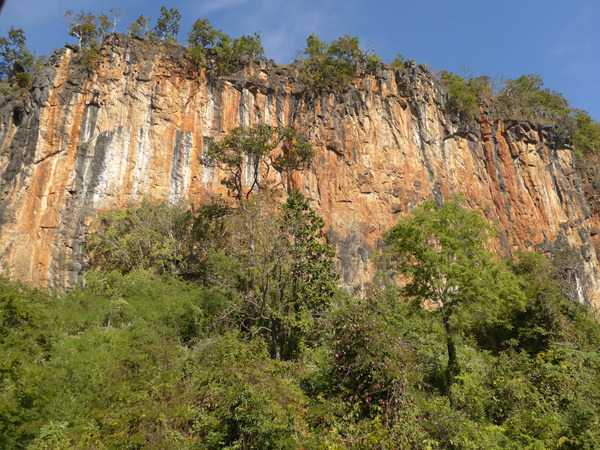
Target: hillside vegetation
point(221, 325)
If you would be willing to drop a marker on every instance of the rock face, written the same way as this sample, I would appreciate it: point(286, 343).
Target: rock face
point(137, 124)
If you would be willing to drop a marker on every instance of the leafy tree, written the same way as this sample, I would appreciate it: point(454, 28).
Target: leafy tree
point(83, 26)
point(248, 47)
point(251, 153)
point(167, 25)
point(17, 64)
point(335, 65)
point(527, 96)
point(140, 27)
point(586, 138)
point(278, 268)
point(465, 93)
point(398, 62)
point(204, 40)
point(442, 252)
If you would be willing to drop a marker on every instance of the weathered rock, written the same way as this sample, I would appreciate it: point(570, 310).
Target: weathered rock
point(137, 125)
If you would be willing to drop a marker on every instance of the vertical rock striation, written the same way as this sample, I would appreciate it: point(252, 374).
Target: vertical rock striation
point(137, 124)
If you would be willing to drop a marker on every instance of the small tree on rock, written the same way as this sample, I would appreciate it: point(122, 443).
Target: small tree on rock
point(83, 26)
point(140, 27)
point(248, 154)
point(167, 25)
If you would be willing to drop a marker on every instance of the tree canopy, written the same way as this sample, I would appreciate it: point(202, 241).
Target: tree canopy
point(442, 251)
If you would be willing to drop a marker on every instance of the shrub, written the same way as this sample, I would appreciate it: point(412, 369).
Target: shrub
point(334, 65)
point(527, 97)
point(207, 43)
point(465, 94)
point(586, 138)
point(155, 236)
point(398, 63)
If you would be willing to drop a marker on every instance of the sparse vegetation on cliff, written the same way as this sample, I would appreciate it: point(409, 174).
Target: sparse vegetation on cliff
point(18, 66)
point(250, 153)
point(216, 50)
point(465, 93)
point(335, 65)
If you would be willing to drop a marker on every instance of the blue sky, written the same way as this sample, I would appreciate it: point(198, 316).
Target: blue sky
point(559, 39)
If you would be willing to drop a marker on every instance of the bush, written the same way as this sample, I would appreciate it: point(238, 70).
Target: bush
point(465, 94)
point(155, 236)
point(335, 65)
point(527, 97)
point(586, 138)
point(218, 51)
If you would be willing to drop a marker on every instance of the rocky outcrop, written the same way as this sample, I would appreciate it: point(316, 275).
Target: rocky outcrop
point(138, 122)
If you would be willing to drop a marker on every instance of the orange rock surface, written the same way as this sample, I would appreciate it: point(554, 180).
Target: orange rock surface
point(137, 124)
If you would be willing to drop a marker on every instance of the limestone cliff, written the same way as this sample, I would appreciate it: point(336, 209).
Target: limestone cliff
point(137, 123)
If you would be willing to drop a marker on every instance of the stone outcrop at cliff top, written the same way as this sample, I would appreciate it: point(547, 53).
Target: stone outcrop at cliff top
point(137, 124)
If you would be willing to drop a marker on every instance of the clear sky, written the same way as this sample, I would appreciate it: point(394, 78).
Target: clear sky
point(559, 39)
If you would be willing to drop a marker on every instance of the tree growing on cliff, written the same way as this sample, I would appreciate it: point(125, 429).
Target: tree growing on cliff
point(140, 27)
point(82, 25)
point(204, 40)
point(442, 251)
point(334, 65)
point(167, 25)
point(17, 64)
point(248, 155)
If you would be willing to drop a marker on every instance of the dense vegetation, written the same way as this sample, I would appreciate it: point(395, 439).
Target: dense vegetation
point(222, 326)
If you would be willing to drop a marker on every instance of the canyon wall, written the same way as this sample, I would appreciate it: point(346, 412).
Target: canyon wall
point(136, 124)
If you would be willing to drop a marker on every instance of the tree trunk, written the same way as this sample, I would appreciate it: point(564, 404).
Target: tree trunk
point(274, 340)
point(453, 369)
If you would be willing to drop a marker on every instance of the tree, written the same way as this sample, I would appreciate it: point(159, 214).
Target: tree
point(17, 64)
point(526, 95)
point(399, 63)
point(167, 25)
point(442, 253)
point(203, 34)
point(117, 16)
point(335, 65)
point(205, 40)
point(247, 155)
point(140, 27)
point(83, 26)
point(248, 46)
point(279, 269)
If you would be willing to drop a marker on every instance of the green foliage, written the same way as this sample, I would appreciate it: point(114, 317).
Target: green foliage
point(527, 96)
point(26, 338)
point(335, 65)
point(442, 251)
point(140, 27)
point(278, 270)
point(586, 138)
point(18, 65)
point(83, 26)
point(465, 93)
point(398, 63)
point(167, 25)
point(162, 238)
point(210, 47)
point(255, 151)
